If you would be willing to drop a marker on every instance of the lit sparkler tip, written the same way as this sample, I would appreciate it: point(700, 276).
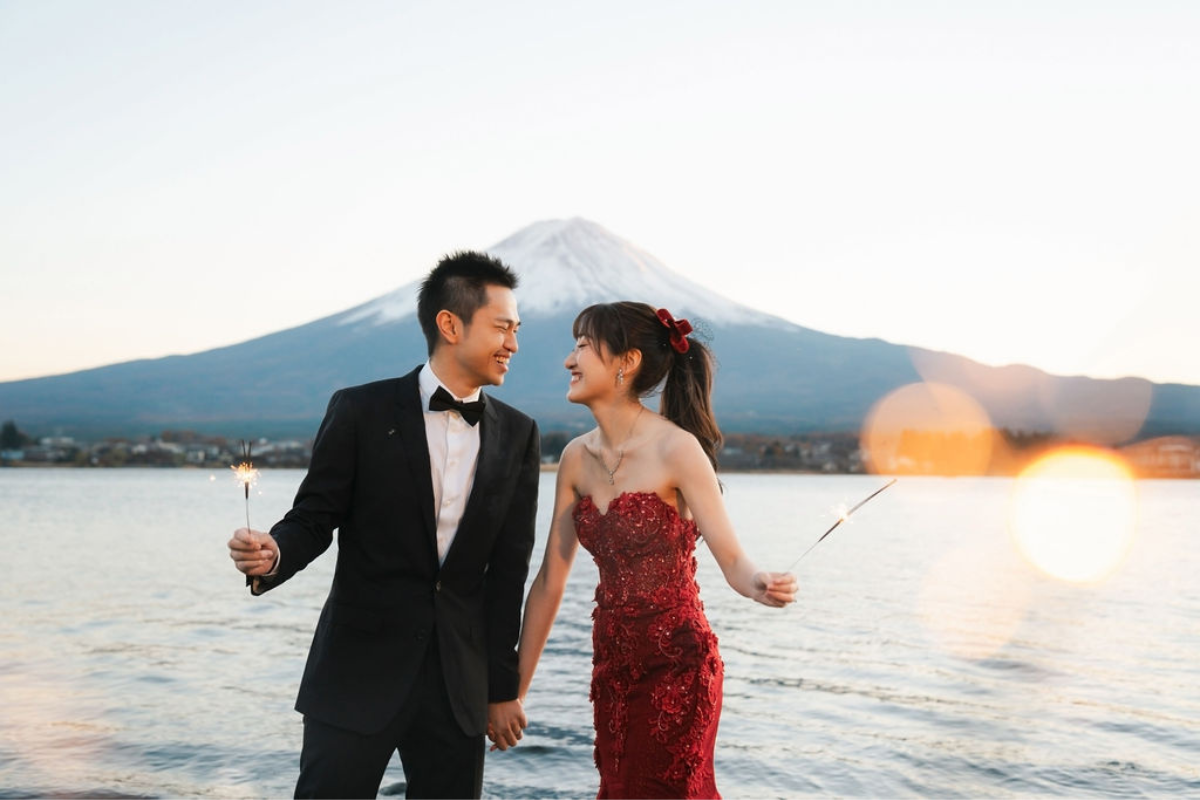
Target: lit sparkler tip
point(245, 473)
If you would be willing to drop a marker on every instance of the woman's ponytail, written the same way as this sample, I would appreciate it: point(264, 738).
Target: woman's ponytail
point(687, 397)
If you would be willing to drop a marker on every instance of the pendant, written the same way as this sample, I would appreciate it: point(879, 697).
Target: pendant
point(612, 480)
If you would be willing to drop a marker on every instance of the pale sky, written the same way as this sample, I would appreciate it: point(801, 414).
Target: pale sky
point(1013, 181)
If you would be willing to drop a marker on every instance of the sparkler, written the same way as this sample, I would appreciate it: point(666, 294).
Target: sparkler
point(841, 518)
point(247, 475)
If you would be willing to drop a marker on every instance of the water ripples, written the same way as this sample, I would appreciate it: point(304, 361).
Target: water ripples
point(136, 664)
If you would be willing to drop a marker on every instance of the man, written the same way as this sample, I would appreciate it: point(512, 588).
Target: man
point(415, 647)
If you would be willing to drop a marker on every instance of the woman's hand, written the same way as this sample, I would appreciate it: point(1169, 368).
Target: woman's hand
point(775, 589)
point(506, 721)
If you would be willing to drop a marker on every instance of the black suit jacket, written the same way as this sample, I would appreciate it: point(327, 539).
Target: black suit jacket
point(370, 479)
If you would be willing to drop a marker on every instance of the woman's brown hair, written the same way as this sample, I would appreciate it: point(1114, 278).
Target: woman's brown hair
point(668, 354)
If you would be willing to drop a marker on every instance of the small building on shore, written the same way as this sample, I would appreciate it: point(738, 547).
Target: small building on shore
point(1165, 457)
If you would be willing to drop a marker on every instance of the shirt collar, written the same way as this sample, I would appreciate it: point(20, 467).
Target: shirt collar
point(428, 381)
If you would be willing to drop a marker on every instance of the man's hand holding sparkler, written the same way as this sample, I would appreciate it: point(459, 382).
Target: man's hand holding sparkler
point(775, 589)
point(254, 553)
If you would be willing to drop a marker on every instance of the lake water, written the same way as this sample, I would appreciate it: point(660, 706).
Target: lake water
point(923, 658)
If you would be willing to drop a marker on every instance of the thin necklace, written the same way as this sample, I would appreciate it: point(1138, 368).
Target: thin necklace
point(621, 452)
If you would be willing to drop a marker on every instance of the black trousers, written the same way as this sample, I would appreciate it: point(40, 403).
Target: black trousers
point(439, 759)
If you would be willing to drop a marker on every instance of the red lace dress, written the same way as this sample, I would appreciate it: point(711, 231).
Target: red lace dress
point(656, 678)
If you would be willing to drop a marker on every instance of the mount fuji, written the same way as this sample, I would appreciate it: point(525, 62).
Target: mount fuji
point(773, 376)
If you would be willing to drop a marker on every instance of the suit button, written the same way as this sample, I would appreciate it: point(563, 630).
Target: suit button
point(419, 636)
point(437, 587)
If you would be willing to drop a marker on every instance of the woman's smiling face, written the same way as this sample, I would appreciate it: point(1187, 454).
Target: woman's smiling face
point(592, 374)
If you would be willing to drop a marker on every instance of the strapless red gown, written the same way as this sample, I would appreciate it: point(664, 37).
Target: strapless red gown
point(656, 677)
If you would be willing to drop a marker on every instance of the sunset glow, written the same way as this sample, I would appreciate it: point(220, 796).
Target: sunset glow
point(1073, 514)
point(928, 429)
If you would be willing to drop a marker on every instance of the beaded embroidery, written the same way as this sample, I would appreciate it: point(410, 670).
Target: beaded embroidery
point(656, 678)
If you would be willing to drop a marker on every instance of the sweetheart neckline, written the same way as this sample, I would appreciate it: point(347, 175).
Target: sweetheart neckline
point(630, 493)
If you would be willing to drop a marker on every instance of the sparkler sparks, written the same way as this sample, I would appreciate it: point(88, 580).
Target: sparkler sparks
point(246, 475)
point(842, 517)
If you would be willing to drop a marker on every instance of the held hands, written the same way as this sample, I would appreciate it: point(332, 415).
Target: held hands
point(253, 552)
point(775, 589)
point(505, 722)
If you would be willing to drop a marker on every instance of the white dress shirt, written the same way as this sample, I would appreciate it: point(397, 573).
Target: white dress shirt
point(453, 455)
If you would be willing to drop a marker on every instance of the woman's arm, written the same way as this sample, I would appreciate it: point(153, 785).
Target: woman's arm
point(546, 592)
point(698, 484)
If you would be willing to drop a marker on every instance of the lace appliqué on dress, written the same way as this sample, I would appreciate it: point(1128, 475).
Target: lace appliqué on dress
point(657, 674)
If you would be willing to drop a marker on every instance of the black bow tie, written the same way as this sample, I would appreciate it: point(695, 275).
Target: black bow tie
point(443, 401)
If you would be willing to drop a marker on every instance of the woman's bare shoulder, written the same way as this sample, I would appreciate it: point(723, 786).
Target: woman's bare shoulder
point(675, 442)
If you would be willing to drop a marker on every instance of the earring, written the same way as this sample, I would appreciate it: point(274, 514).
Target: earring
point(621, 375)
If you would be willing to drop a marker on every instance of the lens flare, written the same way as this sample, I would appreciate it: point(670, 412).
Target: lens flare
point(973, 600)
point(1101, 412)
point(928, 429)
point(1073, 514)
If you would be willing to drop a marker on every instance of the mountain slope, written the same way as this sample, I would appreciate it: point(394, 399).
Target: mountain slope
point(774, 376)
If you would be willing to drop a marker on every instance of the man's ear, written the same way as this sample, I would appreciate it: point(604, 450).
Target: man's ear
point(449, 326)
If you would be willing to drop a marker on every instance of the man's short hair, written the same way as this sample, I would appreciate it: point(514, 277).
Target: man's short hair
point(458, 284)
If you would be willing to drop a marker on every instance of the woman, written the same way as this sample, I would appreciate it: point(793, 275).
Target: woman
point(637, 491)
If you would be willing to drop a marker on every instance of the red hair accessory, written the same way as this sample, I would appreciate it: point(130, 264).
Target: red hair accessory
point(679, 329)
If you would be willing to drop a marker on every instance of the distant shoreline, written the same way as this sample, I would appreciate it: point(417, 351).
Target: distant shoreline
point(550, 468)
point(203, 467)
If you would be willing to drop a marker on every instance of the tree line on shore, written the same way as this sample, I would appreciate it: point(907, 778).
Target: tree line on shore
point(911, 452)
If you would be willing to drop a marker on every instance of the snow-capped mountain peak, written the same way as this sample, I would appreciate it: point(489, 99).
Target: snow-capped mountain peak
point(566, 265)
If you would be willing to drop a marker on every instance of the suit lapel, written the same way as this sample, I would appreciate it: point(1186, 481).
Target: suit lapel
point(410, 424)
